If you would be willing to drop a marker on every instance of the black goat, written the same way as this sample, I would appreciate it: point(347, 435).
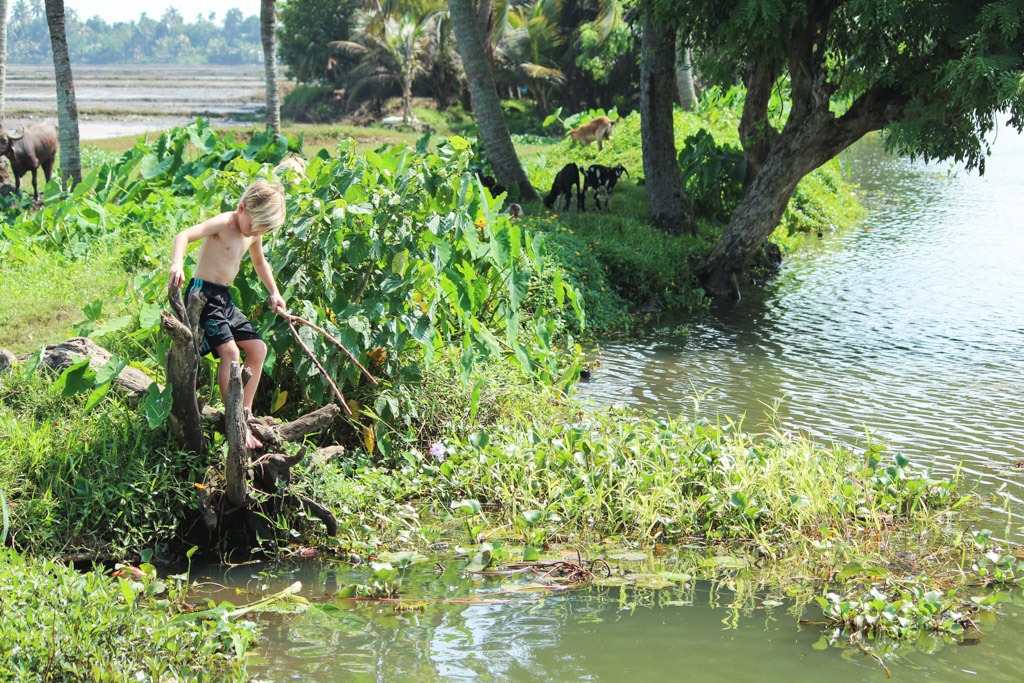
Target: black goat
point(491, 184)
point(568, 177)
point(601, 178)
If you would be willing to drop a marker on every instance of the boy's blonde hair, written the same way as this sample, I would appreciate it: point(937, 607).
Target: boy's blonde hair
point(265, 203)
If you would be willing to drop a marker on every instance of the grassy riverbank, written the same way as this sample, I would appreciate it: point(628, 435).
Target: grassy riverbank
point(471, 322)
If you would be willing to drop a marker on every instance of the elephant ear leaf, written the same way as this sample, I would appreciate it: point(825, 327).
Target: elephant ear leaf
point(157, 405)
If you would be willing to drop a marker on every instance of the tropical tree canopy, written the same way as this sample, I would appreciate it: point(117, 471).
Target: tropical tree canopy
point(934, 75)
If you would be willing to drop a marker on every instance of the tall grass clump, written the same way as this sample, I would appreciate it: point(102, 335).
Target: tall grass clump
point(102, 482)
point(614, 473)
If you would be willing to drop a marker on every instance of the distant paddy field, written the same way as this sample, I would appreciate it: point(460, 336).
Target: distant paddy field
point(128, 99)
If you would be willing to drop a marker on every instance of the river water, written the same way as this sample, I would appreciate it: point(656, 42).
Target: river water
point(906, 329)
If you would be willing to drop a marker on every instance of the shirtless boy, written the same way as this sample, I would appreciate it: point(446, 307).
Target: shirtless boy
point(226, 237)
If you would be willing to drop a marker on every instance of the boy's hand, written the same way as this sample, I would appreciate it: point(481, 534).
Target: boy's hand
point(277, 304)
point(177, 276)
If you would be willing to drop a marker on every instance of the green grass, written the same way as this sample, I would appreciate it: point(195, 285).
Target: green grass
point(101, 481)
point(40, 301)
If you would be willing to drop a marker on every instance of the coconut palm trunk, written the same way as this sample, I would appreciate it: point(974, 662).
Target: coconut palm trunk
point(486, 105)
point(67, 107)
point(4, 11)
point(268, 33)
point(5, 6)
point(667, 205)
point(684, 78)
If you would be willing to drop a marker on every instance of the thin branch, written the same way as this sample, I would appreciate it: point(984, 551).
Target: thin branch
point(290, 318)
point(319, 366)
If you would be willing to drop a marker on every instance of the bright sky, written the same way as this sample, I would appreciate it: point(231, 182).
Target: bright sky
point(118, 10)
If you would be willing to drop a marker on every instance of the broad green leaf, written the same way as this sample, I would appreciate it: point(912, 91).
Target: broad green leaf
point(157, 405)
point(152, 166)
point(75, 379)
point(32, 364)
point(96, 396)
point(470, 505)
point(519, 287)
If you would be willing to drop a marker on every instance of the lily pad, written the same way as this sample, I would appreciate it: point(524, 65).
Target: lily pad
point(651, 581)
point(611, 581)
point(726, 562)
point(628, 556)
point(678, 578)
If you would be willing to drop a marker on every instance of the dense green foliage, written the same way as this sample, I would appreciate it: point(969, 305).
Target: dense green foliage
point(307, 26)
point(891, 54)
point(63, 625)
point(167, 40)
point(546, 53)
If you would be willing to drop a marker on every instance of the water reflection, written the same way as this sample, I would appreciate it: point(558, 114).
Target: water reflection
point(907, 329)
point(694, 632)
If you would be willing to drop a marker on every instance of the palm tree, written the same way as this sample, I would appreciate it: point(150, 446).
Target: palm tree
point(4, 8)
point(268, 32)
point(486, 105)
point(67, 107)
point(534, 45)
point(684, 77)
point(390, 51)
point(666, 197)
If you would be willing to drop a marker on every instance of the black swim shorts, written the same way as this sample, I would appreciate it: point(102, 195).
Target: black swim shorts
point(220, 321)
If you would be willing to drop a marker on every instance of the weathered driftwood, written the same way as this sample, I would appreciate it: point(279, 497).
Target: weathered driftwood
point(58, 357)
point(183, 367)
point(235, 429)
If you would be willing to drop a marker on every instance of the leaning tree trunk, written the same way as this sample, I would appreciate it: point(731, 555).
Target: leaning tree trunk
point(666, 198)
point(485, 24)
point(802, 147)
point(486, 105)
point(268, 33)
point(67, 107)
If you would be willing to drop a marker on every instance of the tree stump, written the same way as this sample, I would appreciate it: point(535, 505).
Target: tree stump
point(237, 510)
point(183, 368)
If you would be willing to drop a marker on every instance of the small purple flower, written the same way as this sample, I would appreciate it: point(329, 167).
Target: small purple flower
point(437, 450)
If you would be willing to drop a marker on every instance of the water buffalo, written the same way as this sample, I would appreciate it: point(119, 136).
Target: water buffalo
point(31, 147)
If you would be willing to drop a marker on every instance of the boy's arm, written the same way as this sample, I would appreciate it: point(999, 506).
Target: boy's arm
point(266, 275)
point(181, 242)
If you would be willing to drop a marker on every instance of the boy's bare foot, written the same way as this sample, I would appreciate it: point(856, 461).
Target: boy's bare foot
point(251, 442)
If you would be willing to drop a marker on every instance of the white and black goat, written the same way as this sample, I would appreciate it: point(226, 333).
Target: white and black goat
point(566, 179)
point(600, 178)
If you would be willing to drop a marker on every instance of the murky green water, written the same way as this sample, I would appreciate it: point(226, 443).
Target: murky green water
point(484, 630)
point(909, 328)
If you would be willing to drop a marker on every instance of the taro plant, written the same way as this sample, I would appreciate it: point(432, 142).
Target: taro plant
point(401, 256)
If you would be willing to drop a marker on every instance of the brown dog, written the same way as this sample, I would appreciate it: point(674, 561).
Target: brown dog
point(599, 129)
